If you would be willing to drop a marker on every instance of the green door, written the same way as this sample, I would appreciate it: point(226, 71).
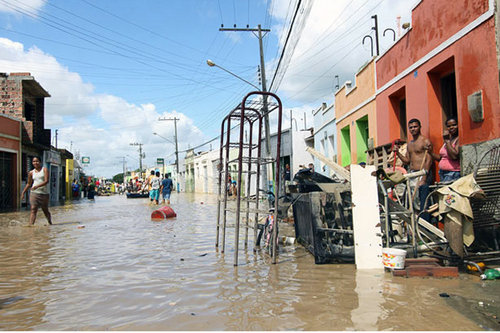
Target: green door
point(345, 145)
point(361, 139)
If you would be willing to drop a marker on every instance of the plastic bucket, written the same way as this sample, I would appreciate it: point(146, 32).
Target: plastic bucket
point(393, 258)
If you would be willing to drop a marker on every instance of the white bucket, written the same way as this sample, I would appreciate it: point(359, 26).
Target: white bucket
point(393, 258)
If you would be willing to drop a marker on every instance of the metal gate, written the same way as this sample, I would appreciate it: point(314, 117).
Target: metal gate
point(6, 181)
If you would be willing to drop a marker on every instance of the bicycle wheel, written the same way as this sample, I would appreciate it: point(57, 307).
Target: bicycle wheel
point(268, 235)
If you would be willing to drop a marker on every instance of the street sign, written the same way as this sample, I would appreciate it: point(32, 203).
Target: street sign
point(160, 161)
point(85, 159)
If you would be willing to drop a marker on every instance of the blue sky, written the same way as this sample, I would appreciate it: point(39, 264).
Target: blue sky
point(114, 67)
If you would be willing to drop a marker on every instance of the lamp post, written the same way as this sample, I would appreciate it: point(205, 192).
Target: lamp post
point(264, 102)
point(164, 138)
point(213, 64)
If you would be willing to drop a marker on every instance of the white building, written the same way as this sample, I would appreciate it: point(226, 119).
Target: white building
point(325, 129)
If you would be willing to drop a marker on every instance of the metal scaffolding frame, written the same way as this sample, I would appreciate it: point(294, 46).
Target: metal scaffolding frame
point(249, 114)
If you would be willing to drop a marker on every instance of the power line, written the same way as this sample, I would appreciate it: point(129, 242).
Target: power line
point(101, 39)
point(140, 27)
point(284, 46)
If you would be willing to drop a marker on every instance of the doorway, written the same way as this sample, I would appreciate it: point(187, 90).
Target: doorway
point(361, 139)
point(345, 145)
point(449, 96)
point(398, 117)
point(7, 181)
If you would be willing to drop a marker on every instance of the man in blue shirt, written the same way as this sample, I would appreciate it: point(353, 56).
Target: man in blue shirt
point(166, 189)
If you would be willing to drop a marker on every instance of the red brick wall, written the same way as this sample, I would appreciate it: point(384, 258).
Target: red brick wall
point(11, 100)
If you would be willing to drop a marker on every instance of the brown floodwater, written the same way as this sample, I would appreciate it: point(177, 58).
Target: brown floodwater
point(105, 265)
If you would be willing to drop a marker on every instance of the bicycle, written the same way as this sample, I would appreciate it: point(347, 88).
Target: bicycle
point(266, 233)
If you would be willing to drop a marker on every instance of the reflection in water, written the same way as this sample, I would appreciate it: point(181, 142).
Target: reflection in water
point(125, 272)
point(368, 288)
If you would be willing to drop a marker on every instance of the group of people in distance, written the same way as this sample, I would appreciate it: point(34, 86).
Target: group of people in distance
point(38, 180)
point(157, 185)
point(420, 156)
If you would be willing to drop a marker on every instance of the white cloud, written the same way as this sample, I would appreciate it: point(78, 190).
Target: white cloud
point(101, 126)
point(10, 6)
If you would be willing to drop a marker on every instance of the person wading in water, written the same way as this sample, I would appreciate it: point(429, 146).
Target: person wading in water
point(38, 178)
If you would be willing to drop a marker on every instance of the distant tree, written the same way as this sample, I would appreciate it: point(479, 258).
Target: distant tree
point(118, 178)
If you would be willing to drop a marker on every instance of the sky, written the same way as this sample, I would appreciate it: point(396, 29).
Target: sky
point(114, 68)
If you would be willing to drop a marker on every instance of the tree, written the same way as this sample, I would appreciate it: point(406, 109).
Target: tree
point(118, 178)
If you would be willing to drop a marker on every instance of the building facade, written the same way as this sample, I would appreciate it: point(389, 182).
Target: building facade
point(445, 65)
point(23, 98)
point(324, 135)
point(356, 118)
point(10, 162)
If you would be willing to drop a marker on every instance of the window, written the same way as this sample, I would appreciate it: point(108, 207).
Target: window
point(29, 111)
point(449, 96)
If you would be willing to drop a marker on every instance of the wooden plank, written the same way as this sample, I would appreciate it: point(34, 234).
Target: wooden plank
point(445, 272)
point(420, 261)
point(419, 270)
point(427, 270)
point(338, 169)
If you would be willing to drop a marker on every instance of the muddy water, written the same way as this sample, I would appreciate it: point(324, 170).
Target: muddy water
point(106, 266)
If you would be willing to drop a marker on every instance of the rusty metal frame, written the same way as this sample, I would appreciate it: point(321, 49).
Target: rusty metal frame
point(247, 114)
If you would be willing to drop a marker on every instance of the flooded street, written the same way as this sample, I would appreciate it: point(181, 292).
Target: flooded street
point(124, 272)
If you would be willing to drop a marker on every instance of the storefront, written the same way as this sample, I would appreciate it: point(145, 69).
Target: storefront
point(52, 160)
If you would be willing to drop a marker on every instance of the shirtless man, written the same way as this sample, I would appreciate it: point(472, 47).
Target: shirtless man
point(417, 150)
point(418, 157)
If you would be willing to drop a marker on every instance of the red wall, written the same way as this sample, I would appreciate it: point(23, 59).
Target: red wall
point(473, 58)
point(10, 127)
point(9, 130)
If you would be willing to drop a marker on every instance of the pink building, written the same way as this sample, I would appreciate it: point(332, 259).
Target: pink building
point(445, 65)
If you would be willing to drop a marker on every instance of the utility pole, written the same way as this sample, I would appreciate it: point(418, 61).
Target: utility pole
point(56, 138)
point(259, 35)
point(140, 155)
point(123, 163)
point(375, 27)
point(176, 142)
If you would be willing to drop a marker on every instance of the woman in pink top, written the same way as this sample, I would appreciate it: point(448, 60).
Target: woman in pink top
point(449, 159)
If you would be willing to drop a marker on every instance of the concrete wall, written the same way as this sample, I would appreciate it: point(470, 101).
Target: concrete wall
point(300, 156)
point(473, 153)
point(206, 173)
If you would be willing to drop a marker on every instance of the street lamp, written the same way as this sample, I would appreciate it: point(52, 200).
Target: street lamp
point(213, 64)
point(264, 103)
point(164, 138)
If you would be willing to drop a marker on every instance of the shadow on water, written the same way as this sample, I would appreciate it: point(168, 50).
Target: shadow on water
point(105, 265)
point(484, 311)
point(7, 301)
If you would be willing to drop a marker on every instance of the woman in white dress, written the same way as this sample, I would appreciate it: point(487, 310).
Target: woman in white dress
point(38, 178)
